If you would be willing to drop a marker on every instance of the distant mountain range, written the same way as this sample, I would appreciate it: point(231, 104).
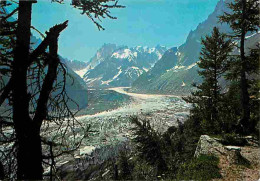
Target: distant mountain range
point(155, 70)
point(114, 66)
point(177, 70)
point(152, 69)
point(103, 53)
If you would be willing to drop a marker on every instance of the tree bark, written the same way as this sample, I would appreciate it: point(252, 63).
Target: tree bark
point(29, 155)
point(2, 171)
point(243, 81)
point(215, 116)
point(47, 86)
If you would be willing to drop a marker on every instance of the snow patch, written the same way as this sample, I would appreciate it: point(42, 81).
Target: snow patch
point(191, 66)
point(178, 53)
point(133, 71)
point(179, 67)
point(89, 81)
point(82, 72)
point(145, 69)
point(151, 50)
point(119, 72)
point(106, 82)
point(252, 35)
point(122, 55)
point(159, 55)
point(136, 68)
point(138, 47)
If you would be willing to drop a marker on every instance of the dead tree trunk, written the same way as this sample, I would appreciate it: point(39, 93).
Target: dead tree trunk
point(29, 156)
point(28, 139)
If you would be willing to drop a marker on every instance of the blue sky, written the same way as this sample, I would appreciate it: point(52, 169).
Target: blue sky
point(142, 22)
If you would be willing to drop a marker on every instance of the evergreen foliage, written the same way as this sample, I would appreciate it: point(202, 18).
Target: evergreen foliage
point(125, 166)
point(215, 111)
point(207, 100)
point(243, 19)
point(163, 154)
point(149, 144)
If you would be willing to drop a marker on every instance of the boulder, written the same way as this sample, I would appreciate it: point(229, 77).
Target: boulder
point(211, 146)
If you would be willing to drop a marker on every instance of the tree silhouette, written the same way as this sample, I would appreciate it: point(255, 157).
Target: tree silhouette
point(243, 19)
point(34, 112)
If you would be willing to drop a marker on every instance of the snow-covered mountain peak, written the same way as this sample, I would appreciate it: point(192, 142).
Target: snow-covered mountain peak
point(138, 51)
point(124, 54)
point(123, 66)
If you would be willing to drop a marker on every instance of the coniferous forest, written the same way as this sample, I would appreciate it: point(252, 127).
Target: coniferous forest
point(130, 112)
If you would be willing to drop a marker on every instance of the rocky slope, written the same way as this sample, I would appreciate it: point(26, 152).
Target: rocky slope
point(76, 65)
point(123, 66)
point(75, 87)
point(179, 78)
point(235, 162)
point(104, 52)
point(81, 68)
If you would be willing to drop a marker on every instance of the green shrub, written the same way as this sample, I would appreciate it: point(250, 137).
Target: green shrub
point(125, 166)
point(149, 144)
point(233, 139)
point(143, 171)
point(202, 168)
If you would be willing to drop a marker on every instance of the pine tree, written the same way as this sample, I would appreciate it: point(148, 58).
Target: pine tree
point(149, 144)
point(254, 83)
point(213, 60)
point(243, 19)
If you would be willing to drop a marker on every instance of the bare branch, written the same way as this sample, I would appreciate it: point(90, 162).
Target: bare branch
point(54, 31)
point(41, 110)
point(6, 91)
point(9, 15)
point(42, 35)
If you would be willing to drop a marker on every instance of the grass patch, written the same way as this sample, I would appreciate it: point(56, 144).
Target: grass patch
point(204, 167)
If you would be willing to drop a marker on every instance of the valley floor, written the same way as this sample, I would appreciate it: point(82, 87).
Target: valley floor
point(163, 108)
point(113, 127)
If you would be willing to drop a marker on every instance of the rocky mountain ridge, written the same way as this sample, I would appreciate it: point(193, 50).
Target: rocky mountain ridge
point(181, 70)
point(122, 66)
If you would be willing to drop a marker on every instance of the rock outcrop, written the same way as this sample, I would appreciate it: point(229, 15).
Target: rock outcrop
point(212, 146)
point(235, 163)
